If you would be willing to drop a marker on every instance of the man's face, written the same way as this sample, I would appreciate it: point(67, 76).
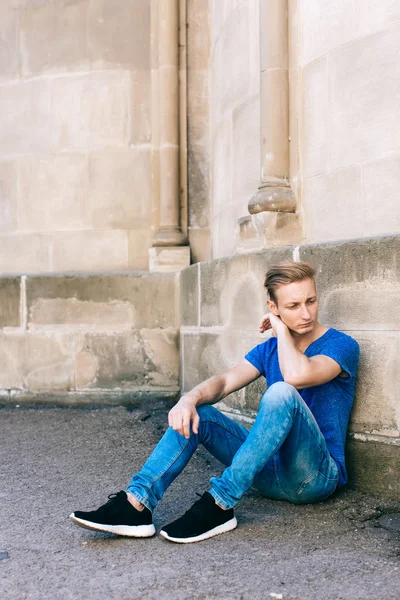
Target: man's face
point(297, 305)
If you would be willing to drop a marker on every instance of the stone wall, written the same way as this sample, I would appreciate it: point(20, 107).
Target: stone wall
point(235, 115)
point(350, 131)
point(75, 135)
point(358, 284)
point(89, 339)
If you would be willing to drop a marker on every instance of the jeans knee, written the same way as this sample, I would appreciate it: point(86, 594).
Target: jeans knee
point(205, 411)
point(280, 393)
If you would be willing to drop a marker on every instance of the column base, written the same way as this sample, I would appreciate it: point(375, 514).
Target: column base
point(166, 259)
point(169, 237)
point(268, 230)
point(273, 198)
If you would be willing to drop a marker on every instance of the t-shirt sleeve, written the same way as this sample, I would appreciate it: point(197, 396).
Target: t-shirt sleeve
point(345, 351)
point(256, 357)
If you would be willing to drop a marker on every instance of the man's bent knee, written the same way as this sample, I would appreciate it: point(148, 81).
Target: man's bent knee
point(280, 393)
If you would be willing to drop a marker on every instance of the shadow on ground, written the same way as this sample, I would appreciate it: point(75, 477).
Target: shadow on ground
point(54, 461)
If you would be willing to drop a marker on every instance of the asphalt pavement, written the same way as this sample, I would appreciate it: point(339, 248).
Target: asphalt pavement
point(57, 460)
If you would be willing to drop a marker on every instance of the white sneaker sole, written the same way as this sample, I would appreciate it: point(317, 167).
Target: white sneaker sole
point(228, 526)
point(125, 530)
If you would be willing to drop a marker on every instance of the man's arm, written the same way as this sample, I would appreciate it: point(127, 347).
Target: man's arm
point(296, 368)
point(208, 392)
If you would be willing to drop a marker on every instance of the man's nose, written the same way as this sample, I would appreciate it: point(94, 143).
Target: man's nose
point(305, 313)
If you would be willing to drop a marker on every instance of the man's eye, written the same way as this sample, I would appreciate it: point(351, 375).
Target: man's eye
point(311, 301)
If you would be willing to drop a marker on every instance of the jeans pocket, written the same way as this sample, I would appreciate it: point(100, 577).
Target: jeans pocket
point(316, 487)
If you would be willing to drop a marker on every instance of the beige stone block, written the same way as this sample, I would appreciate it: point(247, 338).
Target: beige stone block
point(21, 253)
point(296, 152)
point(198, 103)
point(268, 230)
point(316, 118)
point(364, 82)
point(139, 242)
point(223, 235)
point(167, 259)
point(119, 189)
point(52, 192)
point(231, 64)
point(152, 298)
point(222, 167)
point(9, 55)
point(8, 194)
point(377, 14)
point(128, 360)
point(140, 118)
point(200, 244)
point(65, 312)
point(246, 150)
point(92, 109)
point(326, 26)
point(333, 206)
point(198, 187)
point(89, 250)
point(36, 361)
point(10, 298)
point(198, 34)
point(30, 125)
point(53, 36)
point(380, 181)
point(189, 300)
point(376, 406)
point(119, 33)
point(254, 46)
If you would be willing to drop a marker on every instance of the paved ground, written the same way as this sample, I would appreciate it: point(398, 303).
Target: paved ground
point(54, 461)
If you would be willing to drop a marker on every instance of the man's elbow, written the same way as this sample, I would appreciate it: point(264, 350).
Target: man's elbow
point(297, 380)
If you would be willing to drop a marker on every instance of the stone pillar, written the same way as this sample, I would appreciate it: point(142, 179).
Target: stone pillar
point(170, 251)
point(274, 193)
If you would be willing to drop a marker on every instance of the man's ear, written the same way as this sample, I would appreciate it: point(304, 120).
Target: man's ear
point(273, 308)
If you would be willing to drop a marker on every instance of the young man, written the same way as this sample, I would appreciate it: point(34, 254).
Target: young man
point(295, 449)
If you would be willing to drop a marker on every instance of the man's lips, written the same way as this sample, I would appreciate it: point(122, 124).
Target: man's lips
point(306, 324)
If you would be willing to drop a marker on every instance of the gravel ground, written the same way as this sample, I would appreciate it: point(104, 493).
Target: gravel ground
point(54, 461)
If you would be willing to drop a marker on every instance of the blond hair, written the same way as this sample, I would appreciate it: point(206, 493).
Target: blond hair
point(286, 272)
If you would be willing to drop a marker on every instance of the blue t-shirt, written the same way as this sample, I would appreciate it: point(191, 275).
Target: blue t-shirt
point(331, 402)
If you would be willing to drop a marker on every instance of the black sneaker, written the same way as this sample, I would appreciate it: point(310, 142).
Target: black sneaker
point(203, 520)
point(117, 516)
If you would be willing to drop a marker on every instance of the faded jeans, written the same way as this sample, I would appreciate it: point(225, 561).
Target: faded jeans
point(284, 455)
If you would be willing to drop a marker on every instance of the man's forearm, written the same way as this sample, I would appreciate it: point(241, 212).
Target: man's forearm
point(293, 363)
point(208, 392)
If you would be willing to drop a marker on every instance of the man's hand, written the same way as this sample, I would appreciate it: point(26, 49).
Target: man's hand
point(271, 321)
point(182, 414)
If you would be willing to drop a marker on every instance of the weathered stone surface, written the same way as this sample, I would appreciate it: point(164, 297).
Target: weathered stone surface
point(89, 250)
point(8, 194)
point(52, 192)
point(200, 244)
point(169, 259)
point(246, 150)
point(24, 254)
point(30, 125)
point(198, 35)
point(202, 358)
point(327, 27)
point(139, 242)
point(189, 296)
point(232, 289)
point(268, 229)
point(333, 205)
point(53, 36)
point(377, 15)
point(9, 56)
point(381, 192)
point(10, 292)
point(316, 111)
point(119, 33)
point(146, 358)
point(119, 189)
point(364, 70)
point(374, 468)
point(151, 298)
point(91, 110)
point(198, 187)
point(36, 361)
point(140, 132)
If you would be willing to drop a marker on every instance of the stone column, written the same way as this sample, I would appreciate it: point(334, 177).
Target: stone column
point(274, 193)
point(170, 251)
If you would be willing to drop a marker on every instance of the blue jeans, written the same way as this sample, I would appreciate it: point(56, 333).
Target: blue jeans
point(284, 455)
